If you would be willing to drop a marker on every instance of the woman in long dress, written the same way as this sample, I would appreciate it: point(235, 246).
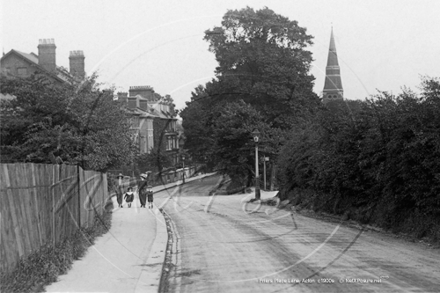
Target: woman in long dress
point(142, 189)
point(119, 193)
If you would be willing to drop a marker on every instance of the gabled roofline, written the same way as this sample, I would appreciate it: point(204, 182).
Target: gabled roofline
point(18, 53)
point(32, 63)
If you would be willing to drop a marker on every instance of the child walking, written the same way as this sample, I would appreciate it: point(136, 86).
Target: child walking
point(129, 196)
point(150, 197)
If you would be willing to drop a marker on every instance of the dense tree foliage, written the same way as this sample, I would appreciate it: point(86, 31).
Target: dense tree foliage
point(378, 159)
point(232, 147)
point(73, 124)
point(262, 82)
point(156, 160)
point(263, 60)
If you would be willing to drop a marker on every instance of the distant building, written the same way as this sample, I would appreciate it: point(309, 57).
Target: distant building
point(153, 120)
point(19, 64)
point(333, 83)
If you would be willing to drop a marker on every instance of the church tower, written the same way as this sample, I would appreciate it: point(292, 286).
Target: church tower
point(333, 84)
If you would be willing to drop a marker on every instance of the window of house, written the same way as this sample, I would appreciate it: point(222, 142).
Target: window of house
point(169, 145)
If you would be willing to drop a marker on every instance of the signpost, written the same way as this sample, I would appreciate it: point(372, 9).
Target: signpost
point(266, 159)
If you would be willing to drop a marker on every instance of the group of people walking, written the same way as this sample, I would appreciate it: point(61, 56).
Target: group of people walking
point(144, 191)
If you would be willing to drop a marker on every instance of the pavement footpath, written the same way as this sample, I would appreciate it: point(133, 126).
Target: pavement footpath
point(128, 258)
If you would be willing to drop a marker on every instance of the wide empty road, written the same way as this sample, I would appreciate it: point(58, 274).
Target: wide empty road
point(226, 245)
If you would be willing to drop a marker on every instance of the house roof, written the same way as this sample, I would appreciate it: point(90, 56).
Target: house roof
point(61, 73)
point(31, 57)
point(151, 112)
point(153, 108)
point(140, 112)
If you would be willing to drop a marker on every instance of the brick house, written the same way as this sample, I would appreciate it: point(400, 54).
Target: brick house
point(19, 64)
point(153, 120)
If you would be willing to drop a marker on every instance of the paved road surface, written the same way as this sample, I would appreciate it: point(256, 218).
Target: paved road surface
point(222, 248)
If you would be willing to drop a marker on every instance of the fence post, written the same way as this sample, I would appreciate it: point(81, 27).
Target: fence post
point(53, 205)
point(79, 195)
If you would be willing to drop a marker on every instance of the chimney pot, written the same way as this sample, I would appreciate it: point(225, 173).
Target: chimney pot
point(144, 91)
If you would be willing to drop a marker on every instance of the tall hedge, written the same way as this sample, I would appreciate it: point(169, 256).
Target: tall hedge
point(376, 160)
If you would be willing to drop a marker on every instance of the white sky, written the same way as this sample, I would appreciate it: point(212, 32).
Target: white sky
point(381, 44)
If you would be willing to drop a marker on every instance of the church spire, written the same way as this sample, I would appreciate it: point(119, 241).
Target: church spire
point(333, 84)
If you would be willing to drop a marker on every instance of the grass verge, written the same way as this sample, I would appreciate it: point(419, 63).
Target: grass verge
point(413, 227)
point(42, 267)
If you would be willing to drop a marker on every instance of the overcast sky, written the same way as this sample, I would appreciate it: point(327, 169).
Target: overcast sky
point(381, 44)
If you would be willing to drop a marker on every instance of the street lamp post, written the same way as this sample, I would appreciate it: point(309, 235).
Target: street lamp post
point(256, 135)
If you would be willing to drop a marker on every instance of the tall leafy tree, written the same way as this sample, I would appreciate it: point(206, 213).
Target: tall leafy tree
point(263, 62)
point(233, 145)
point(156, 160)
point(73, 124)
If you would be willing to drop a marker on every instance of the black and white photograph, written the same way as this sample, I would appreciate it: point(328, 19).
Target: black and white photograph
point(219, 146)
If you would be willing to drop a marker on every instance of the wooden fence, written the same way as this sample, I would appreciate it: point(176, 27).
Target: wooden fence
point(43, 205)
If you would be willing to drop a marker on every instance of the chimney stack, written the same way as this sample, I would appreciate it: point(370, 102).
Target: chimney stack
point(144, 91)
point(76, 59)
point(46, 54)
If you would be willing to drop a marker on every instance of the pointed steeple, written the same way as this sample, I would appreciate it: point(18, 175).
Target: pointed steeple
point(333, 83)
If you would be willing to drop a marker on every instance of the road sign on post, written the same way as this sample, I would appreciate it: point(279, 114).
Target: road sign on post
point(266, 159)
